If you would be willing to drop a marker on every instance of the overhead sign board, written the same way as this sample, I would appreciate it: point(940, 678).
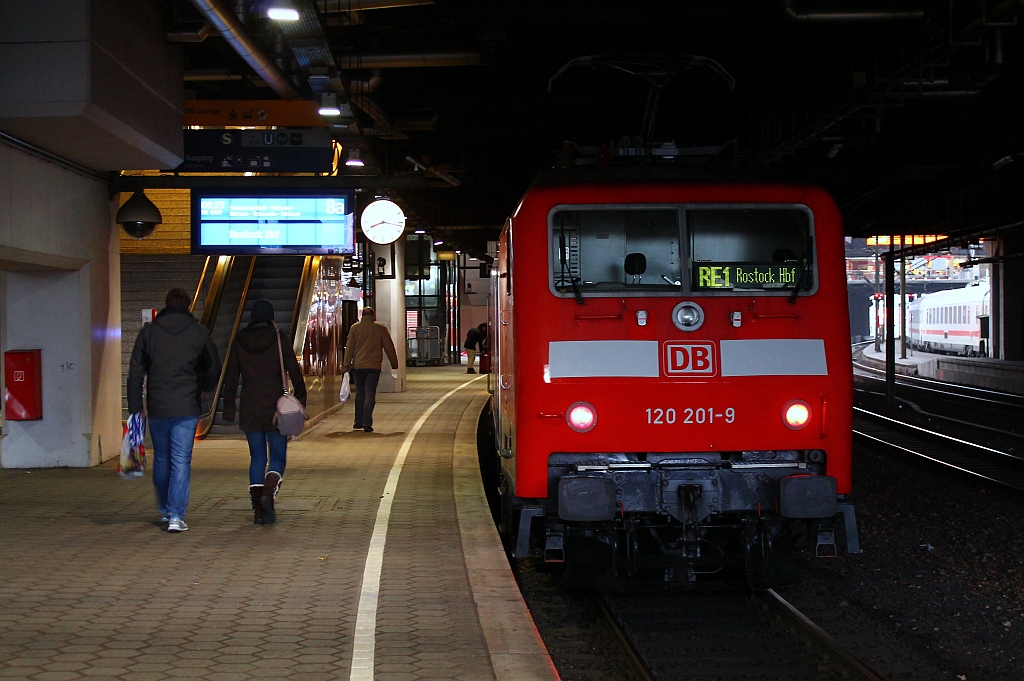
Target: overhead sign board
point(308, 222)
point(225, 112)
point(269, 151)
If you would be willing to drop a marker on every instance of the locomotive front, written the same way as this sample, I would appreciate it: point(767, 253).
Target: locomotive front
point(674, 381)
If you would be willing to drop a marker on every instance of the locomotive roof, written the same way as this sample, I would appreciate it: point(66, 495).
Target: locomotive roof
point(619, 174)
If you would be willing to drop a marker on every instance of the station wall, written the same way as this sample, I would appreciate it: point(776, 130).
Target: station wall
point(60, 292)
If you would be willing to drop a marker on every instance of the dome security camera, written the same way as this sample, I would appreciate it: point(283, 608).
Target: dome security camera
point(138, 216)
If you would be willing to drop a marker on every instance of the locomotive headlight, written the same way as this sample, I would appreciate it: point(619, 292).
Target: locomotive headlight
point(687, 316)
point(796, 414)
point(581, 416)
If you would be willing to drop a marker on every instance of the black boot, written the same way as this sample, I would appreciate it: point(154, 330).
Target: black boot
point(271, 484)
point(255, 493)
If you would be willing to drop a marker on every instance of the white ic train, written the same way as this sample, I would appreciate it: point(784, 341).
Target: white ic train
point(948, 321)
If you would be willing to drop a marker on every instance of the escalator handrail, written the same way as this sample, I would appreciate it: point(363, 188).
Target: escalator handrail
point(300, 314)
point(199, 288)
point(207, 419)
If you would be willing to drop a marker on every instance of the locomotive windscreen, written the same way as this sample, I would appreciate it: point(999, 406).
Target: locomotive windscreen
point(616, 250)
point(611, 250)
point(750, 248)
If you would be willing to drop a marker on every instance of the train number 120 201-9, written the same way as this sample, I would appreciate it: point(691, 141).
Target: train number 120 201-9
point(659, 417)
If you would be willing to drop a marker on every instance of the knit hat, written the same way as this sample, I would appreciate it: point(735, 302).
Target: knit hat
point(262, 312)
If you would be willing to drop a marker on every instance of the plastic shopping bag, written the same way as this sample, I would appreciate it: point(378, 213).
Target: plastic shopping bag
point(133, 453)
point(346, 391)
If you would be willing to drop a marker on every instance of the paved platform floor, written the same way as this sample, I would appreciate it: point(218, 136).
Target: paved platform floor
point(91, 587)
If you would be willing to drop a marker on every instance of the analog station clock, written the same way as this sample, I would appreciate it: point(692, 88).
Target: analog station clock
point(382, 221)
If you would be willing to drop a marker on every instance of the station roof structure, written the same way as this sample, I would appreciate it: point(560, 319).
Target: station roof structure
point(908, 113)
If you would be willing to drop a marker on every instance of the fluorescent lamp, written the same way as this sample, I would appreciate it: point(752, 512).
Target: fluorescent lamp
point(438, 243)
point(279, 13)
point(329, 104)
point(353, 159)
point(420, 231)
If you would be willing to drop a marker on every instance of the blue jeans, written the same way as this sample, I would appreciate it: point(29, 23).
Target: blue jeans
point(366, 394)
point(259, 442)
point(172, 462)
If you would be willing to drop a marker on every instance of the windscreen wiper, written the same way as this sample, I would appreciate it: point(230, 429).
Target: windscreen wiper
point(576, 289)
point(799, 283)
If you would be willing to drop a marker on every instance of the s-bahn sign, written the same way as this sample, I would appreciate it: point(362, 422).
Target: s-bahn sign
point(281, 150)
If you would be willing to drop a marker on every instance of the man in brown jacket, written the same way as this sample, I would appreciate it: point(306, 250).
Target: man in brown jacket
point(368, 341)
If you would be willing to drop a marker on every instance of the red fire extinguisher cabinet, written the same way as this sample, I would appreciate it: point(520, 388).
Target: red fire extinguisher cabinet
point(23, 385)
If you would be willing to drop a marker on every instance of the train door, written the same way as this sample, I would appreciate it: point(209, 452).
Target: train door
point(504, 391)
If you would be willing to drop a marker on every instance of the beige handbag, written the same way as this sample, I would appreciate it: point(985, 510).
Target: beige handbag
point(290, 416)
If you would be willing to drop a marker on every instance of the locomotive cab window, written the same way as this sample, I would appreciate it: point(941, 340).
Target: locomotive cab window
point(601, 251)
point(750, 249)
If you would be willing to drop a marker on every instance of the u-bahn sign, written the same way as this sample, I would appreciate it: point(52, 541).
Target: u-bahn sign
point(268, 151)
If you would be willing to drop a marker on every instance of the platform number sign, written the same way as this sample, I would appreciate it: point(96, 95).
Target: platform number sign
point(689, 359)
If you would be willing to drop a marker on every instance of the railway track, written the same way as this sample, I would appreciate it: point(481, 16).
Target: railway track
point(983, 396)
point(968, 457)
point(726, 635)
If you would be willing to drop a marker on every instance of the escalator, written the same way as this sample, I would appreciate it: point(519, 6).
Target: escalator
point(232, 284)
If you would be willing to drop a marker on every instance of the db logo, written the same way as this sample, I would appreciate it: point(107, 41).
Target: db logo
point(19, 376)
point(689, 359)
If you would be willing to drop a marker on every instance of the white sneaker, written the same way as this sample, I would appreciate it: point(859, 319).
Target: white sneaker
point(177, 525)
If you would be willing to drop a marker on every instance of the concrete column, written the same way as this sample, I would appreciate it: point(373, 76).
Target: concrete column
point(390, 307)
point(1012, 298)
point(60, 293)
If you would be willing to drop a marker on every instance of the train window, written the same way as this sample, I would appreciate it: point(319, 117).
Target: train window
point(750, 249)
point(595, 251)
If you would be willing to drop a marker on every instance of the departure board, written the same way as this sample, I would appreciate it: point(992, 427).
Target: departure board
point(229, 223)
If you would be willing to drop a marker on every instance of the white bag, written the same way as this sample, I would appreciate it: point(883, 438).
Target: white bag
point(346, 391)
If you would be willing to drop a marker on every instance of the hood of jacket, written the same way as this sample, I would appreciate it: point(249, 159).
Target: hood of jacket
point(174, 321)
point(257, 339)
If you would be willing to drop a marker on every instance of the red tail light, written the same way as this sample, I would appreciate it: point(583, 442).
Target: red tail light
point(796, 414)
point(581, 416)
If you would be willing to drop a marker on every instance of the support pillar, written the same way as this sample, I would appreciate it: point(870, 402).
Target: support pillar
point(890, 327)
point(390, 306)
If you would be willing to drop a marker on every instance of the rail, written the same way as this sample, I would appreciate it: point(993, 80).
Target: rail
point(744, 647)
point(930, 384)
point(967, 457)
point(849, 665)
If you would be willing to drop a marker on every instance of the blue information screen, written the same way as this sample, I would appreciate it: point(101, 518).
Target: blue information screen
point(230, 224)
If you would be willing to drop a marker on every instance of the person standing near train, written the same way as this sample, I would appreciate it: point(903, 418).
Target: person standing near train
point(256, 354)
point(476, 339)
point(368, 342)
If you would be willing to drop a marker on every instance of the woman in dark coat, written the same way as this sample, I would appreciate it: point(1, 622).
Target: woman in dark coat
point(254, 354)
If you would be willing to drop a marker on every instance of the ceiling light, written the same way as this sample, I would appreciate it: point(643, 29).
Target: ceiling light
point(420, 231)
point(353, 159)
point(282, 11)
point(329, 104)
point(438, 243)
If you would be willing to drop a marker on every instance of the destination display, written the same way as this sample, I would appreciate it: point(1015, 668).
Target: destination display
point(303, 223)
point(732, 276)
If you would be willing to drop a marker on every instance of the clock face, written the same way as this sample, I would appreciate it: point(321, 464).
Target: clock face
point(382, 221)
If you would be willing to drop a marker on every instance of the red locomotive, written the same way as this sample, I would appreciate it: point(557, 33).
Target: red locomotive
point(673, 380)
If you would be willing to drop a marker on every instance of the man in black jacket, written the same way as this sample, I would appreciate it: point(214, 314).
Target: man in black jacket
point(179, 361)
